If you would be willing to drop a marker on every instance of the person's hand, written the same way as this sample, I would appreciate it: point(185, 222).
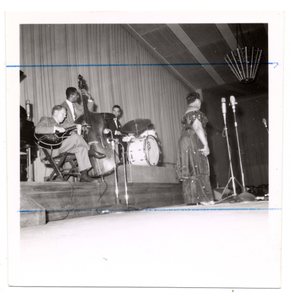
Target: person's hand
point(79, 129)
point(183, 178)
point(127, 138)
point(85, 93)
point(205, 151)
point(60, 129)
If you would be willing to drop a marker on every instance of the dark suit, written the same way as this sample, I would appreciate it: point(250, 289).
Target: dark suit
point(73, 144)
point(112, 126)
point(79, 108)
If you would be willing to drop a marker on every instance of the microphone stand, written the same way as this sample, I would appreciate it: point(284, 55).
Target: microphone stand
point(118, 206)
point(117, 202)
point(244, 196)
point(266, 126)
point(128, 207)
point(232, 178)
point(28, 150)
point(124, 174)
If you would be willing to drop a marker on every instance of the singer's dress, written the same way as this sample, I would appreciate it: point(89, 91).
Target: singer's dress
point(192, 166)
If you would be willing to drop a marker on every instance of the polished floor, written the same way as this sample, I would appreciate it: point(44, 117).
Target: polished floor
point(225, 245)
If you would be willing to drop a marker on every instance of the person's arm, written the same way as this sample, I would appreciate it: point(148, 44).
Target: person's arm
point(90, 99)
point(197, 126)
point(44, 126)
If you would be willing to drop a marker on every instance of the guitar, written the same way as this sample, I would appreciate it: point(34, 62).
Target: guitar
point(54, 140)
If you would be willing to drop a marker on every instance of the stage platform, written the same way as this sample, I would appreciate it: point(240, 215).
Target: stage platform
point(147, 187)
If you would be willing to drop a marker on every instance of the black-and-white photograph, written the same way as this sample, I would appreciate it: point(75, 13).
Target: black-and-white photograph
point(144, 154)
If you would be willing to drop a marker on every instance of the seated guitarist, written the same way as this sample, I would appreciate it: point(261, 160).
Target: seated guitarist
point(74, 143)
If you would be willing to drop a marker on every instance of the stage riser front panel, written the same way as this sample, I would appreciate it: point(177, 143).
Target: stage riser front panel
point(144, 174)
point(32, 213)
point(83, 199)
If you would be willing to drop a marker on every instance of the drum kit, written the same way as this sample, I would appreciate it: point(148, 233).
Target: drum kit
point(143, 148)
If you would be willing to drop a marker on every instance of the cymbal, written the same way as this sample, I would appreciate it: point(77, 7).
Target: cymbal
point(136, 126)
point(107, 116)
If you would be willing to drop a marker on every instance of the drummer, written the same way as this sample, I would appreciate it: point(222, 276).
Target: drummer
point(114, 125)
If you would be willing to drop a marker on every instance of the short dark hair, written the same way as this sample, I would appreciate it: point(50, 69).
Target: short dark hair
point(116, 106)
point(70, 91)
point(58, 108)
point(191, 97)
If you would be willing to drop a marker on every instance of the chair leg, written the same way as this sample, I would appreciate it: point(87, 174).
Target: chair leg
point(74, 168)
point(56, 169)
point(56, 166)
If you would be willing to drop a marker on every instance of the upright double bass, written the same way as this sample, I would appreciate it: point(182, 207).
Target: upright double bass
point(95, 137)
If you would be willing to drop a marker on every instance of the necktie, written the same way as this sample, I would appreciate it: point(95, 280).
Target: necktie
point(75, 113)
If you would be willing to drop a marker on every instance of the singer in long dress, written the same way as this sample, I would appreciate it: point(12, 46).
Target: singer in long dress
point(192, 162)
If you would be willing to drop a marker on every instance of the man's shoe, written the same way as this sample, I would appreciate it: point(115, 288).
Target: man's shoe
point(208, 203)
point(86, 178)
point(96, 154)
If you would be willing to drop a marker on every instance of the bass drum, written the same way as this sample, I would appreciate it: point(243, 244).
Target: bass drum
point(143, 151)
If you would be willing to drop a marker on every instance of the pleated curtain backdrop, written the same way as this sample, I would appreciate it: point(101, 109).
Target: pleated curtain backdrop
point(52, 57)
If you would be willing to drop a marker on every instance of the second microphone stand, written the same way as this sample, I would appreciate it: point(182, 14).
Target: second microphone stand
point(118, 206)
point(244, 196)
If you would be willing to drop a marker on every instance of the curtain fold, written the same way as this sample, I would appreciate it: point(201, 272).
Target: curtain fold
point(150, 91)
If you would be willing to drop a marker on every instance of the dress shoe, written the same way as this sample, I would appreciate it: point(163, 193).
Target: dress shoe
point(96, 154)
point(208, 203)
point(86, 178)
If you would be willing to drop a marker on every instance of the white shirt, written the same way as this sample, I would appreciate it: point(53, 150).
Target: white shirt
point(55, 126)
point(70, 104)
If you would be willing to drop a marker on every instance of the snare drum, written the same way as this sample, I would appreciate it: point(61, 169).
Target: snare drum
point(143, 151)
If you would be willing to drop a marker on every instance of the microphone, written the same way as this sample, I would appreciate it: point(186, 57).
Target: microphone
point(106, 131)
point(232, 100)
point(27, 106)
point(265, 123)
point(223, 105)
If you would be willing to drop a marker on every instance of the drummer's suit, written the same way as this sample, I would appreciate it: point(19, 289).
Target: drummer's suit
point(72, 144)
point(116, 127)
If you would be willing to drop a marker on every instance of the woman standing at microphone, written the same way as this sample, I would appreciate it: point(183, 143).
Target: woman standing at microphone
point(192, 163)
